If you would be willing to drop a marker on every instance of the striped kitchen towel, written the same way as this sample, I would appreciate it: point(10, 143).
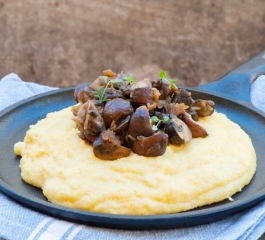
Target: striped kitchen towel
point(18, 222)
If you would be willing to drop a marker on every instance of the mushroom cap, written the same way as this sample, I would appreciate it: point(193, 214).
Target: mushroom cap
point(112, 93)
point(154, 145)
point(141, 96)
point(99, 82)
point(79, 92)
point(107, 146)
point(115, 110)
point(178, 132)
point(141, 93)
point(185, 97)
point(140, 124)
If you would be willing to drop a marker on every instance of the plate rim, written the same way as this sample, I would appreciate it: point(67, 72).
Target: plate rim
point(234, 207)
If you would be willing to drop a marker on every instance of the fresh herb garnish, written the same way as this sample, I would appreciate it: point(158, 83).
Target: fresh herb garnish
point(115, 81)
point(130, 79)
point(119, 79)
point(163, 75)
point(100, 94)
point(156, 120)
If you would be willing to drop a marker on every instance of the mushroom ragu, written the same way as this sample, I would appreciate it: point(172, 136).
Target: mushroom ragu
point(117, 115)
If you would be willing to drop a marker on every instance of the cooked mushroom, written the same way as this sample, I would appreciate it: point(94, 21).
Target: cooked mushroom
point(176, 109)
point(184, 97)
point(140, 124)
point(164, 89)
point(99, 82)
point(109, 73)
point(75, 109)
point(126, 90)
point(193, 112)
point(196, 129)
point(112, 93)
point(141, 93)
point(154, 145)
point(157, 83)
point(144, 94)
point(107, 146)
point(124, 107)
point(115, 110)
point(120, 126)
point(194, 115)
point(79, 92)
point(88, 120)
point(206, 108)
point(177, 131)
point(89, 94)
point(99, 105)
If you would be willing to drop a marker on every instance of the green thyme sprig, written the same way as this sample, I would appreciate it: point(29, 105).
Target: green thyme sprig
point(100, 94)
point(130, 79)
point(163, 75)
point(102, 89)
point(118, 80)
point(158, 121)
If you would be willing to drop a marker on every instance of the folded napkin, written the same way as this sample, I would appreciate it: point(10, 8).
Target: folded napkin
point(257, 93)
point(18, 222)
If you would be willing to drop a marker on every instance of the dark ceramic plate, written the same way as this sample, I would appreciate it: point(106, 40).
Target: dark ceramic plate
point(15, 121)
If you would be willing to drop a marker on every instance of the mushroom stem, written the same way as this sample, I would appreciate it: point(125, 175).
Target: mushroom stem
point(196, 129)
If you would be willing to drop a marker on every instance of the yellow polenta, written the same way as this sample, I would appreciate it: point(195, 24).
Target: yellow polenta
point(203, 171)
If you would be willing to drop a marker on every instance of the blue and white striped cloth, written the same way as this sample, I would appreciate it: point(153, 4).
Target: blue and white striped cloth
point(18, 222)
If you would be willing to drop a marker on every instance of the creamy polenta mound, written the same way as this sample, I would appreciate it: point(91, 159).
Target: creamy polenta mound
point(201, 172)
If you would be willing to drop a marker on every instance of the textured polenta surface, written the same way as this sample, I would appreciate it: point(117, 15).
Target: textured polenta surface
point(204, 171)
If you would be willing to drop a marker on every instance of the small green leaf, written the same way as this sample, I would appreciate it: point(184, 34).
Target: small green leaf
point(117, 80)
point(101, 91)
point(166, 119)
point(154, 119)
point(129, 78)
point(162, 74)
point(100, 94)
point(172, 82)
point(104, 100)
